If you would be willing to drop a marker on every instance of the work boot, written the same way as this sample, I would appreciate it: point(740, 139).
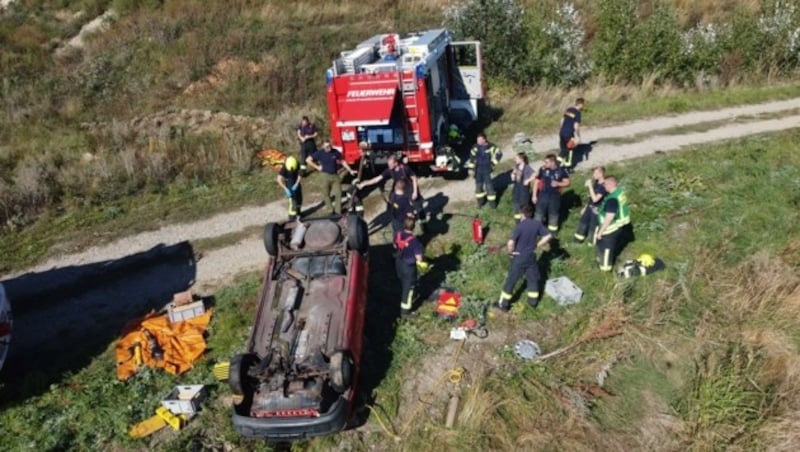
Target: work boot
point(493, 205)
point(405, 313)
point(533, 302)
point(503, 305)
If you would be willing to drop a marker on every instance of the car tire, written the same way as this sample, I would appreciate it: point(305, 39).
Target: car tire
point(357, 234)
point(341, 371)
point(271, 233)
point(239, 366)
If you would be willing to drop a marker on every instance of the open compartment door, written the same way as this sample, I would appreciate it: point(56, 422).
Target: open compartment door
point(467, 86)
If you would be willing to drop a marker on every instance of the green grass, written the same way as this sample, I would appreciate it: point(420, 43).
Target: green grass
point(681, 353)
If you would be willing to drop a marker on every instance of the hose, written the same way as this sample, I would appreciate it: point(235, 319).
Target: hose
point(454, 375)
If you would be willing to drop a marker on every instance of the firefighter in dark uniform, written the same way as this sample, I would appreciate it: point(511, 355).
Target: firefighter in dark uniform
point(569, 135)
point(401, 206)
point(483, 157)
point(550, 180)
point(289, 178)
point(527, 236)
point(587, 225)
point(409, 260)
point(615, 222)
point(397, 171)
point(306, 133)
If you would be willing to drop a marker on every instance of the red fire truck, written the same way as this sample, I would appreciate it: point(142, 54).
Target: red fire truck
point(394, 94)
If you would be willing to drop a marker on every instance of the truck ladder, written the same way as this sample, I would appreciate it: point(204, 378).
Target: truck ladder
point(408, 86)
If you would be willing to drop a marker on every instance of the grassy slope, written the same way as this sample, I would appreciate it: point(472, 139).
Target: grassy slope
point(706, 355)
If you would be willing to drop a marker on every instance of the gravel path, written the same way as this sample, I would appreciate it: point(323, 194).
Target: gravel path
point(249, 254)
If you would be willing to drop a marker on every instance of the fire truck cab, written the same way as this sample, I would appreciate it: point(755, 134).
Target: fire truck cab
point(394, 94)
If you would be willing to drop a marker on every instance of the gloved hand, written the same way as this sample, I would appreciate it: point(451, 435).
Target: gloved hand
point(295, 187)
point(288, 192)
point(423, 266)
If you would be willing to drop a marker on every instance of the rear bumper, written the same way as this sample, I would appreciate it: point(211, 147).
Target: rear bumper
point(273, 429)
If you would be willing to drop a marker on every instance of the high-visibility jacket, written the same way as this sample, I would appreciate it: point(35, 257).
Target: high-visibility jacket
point(484, 157)
point(623, 215)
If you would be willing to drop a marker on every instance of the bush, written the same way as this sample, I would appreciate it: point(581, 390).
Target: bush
point(500, 26)
point(616, 22)
point(558, 54)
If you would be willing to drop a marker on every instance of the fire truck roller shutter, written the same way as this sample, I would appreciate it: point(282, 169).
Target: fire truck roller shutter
point(367, 107)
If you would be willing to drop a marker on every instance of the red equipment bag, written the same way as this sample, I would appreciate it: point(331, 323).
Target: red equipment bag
point(447, 304)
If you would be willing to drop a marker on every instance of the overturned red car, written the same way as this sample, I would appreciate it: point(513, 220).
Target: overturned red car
point(298, 375)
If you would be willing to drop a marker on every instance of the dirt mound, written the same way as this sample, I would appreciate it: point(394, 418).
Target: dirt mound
point(222, 72)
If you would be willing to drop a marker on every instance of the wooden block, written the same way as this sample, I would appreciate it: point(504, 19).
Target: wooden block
point(182, 298)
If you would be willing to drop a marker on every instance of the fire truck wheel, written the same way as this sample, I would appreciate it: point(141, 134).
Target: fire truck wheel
point(341, 371)
point(357, 236)
point(239, 366)
point(271, 233)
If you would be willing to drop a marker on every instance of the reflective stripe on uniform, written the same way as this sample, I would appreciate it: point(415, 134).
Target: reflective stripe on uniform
point(533, 294)
point(579, 237)
point(480, 195)
point(552, 228)
point(505, 295)
point(606, 264)
point(408, 303)
point(492, 197)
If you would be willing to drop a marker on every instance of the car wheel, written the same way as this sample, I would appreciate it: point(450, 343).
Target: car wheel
point(271, 233)
point(240, 365)
point(341, 371)
point(357, 235)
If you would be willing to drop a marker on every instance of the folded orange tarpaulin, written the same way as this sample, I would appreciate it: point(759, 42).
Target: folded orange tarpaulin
point(272, 158)
point(181, 344)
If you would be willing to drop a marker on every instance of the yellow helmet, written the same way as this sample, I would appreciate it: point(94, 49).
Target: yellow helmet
point(290, 163)
point(646, 260)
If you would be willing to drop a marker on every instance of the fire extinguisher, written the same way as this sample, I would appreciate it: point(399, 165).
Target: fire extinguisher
point(477, 230)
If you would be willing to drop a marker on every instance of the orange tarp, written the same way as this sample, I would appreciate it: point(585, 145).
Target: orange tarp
point(272, 158)
point(182, 343)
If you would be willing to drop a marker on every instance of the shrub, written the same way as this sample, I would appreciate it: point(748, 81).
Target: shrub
point(616, 22)
point(500, 26)
point(558, 54)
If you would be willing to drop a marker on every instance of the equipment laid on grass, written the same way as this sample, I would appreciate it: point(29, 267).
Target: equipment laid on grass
point(645, 264)
point(527, 349)
point(563, 290)
point(384, 99)
point(447, 304)
point(477, 230)
point(155, 341)
point(176, 409)
point(272, 158)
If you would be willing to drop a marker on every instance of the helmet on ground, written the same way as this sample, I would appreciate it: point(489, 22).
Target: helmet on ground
point(646, 260)
point(290, 163)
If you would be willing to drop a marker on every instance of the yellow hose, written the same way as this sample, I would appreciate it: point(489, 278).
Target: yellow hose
point(454, 376)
